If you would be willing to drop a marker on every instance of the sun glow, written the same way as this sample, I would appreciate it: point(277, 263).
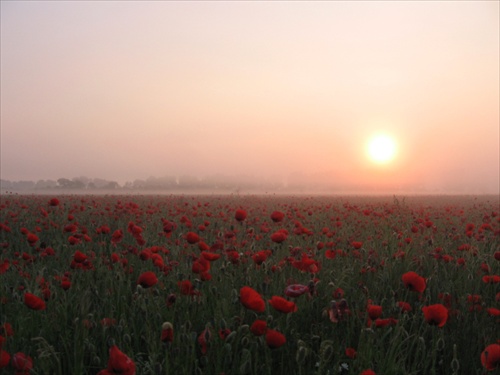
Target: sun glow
point(381, 149)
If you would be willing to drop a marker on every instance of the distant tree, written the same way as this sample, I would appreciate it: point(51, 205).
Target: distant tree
point(112, 185)
point(65, 183)
point(45, 184)
point(78, 184)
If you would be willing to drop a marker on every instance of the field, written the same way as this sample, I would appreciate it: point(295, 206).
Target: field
point(249, 285)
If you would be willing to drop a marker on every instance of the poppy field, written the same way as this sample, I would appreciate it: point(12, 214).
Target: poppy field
point(232, 284)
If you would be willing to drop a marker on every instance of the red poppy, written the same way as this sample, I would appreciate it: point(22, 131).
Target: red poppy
point(258, 327)
point(224, 332)
point(492, 311)
point(330, 254)
point(32, 239)
point(278, 237)
point(4, 266)
point(117, 236)
point(200, 265)
point(251, 299)
point(147, 279)
point(118, 363)
point(351, 353)
point(34, 302)
point(435, 314)
point(22, 363)
point(414, 282)
point(6, 329)
point(210, 256)
point(4, 358)
point(240, 215)
point(54, 202)
point(79, 257)
point(282, 305)
point(260, 257)
point(275, 339)
point(296, 290)
point(167, 332)
point(404, 306)
point(368, 372)
point(186, 287)
point(357, 244)
point(380, 323)
point(203, 339)
point(277, 216)
point(374, 311)
point(65, 283)
point(492, 279)
point(490, 357)
point(192, 238)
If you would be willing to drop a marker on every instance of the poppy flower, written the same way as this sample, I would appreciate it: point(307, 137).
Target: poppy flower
point(374, 311)
point(282, 305)
point(6, 329)
point(192, 238)
point(4, 266)
point(380, 323)
point(368, 372)
point(357, 244)
point(186, 287)
point(32, 239)
point(54, 202)
point(435, 314)
point(22, 363)
point(330, 254)
point(351, 353)
point(278, 237)
point(210, 256)
point(258, 327)
point(251, 299)
point(492, 311)
point(34, 302)
point(414, 282)
point(118, 363)
point(200, 265)
point(338, 311)
point(147, 279)
point(492, 279)
point(260, 257)
point(490, 357)
point(79, 257)
point(296, 290)
point(117, 236)
point(65, 283)
point(277, 216)
point(203, 339)
point(240, 215)
point(167, 332)
point(4, 358)
point(275, 339)
point(224, 332)
point(404, 306)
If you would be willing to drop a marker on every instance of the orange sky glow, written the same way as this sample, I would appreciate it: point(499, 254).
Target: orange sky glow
point(281, 91)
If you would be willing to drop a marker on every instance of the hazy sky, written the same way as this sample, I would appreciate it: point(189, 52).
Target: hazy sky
point(126, 90)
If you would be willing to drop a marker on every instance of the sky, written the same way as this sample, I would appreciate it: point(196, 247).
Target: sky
point(269, 90)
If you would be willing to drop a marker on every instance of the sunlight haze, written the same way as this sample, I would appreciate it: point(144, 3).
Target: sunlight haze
point(268, 90)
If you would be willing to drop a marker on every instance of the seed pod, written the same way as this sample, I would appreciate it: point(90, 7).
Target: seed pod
point(301, 355)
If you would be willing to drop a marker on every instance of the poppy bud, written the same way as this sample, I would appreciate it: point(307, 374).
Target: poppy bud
point(167, 332)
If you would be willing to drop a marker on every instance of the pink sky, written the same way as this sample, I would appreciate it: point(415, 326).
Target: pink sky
point(127, 90)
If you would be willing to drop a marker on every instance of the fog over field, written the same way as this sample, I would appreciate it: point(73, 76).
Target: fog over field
point(250, 96)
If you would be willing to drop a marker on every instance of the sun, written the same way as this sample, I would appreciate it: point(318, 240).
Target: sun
point(381, 149)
